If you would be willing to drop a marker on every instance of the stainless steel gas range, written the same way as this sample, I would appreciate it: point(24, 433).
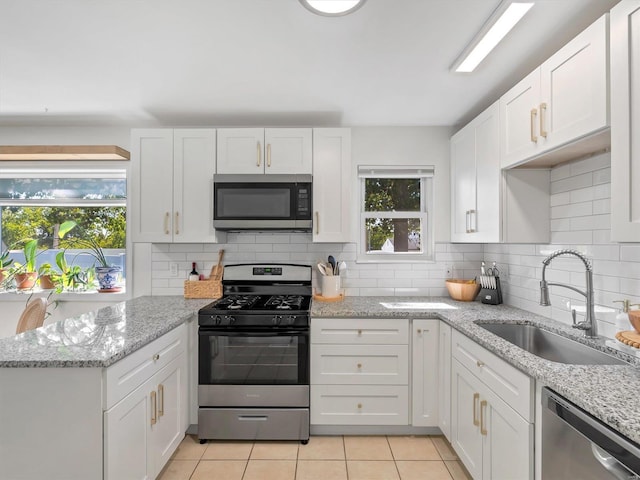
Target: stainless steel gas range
point(253, 354)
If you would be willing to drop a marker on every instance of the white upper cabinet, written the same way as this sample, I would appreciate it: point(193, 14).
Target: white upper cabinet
point(172, 185)
point(625, 121)
point(475, 180)
point(264, 150)
point(332, 185)
point(562, 101)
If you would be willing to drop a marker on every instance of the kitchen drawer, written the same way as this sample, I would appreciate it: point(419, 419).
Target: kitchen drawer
point(124, 376)
point(509, 383)
point(359, 405)
point(360, 364)
point(360, 331)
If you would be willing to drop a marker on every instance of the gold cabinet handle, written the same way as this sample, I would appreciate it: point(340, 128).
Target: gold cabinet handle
point(161, 395)
point(359, 332)
point(317, 223)
point(166, 223)
point(177, 223)
point(359, 366)
point(472, 228)
point(483, 406)
point(543, 112)
point(480, 364)
point(259, 153)
point(268, 154)
point(534, 112)
point(154, 407)
point(359, 406)
point(467, 221)
point(419, 331)
point(476, 397)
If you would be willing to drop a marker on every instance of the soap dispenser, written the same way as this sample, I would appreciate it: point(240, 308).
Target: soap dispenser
point(622, 319)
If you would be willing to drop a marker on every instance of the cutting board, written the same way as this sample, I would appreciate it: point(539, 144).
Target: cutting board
point(629, 337)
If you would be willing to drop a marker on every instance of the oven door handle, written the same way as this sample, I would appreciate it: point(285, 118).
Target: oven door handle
point(235, 333)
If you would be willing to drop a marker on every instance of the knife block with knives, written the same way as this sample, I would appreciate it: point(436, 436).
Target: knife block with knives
point(491, 292)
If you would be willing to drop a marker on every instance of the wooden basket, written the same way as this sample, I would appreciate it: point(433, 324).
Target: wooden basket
point(210, 288)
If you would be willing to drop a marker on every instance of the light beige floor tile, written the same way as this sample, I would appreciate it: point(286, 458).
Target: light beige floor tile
point(413, 448)
point(372, 470)
point(219, 470)
point(321, 470)
point(275, 451)
point(457, 471)
point(367, 448)
point(228, 451)
point(178, 470)
point(423, 470)
point(444, 448)
point(270, 470)
point(322, 448)
point(189, 449)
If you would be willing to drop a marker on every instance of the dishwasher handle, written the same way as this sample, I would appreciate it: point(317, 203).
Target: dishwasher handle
point(608, 442)
point(613, 466)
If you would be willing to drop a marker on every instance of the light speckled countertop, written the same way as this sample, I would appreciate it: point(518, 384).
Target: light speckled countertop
point(99, 338)
point(608, 392)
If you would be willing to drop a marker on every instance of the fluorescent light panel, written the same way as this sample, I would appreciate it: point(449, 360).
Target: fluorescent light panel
point(503, 25)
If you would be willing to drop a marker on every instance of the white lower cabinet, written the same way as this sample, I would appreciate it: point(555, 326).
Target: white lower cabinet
point(144, 428)
point(359, 371)
point(424, 372)
point(444, 380)
point(492, 438)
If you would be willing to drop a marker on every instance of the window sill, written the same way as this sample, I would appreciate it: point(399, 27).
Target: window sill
point(92, 296)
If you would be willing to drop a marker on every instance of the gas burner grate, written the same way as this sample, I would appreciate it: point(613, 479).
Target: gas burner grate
point(237, 302)
point(285, 302)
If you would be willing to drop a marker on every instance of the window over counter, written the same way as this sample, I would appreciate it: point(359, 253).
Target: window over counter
point(40, 204)
point(395, 220)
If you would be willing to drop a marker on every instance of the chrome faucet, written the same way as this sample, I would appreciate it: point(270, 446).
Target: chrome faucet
point(589, 324)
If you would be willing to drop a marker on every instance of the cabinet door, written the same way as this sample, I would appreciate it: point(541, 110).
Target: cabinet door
point(425, 339)
point(625, 119)
point(573, 86)
point(193, 168)
point(507, 440)
point(519, 120)
point(151, 185)
point(465, 418)
point(288, 150)
point(167, 432)
point(240, 150)
point(332, 186)
point(127, 430)
point(463, 182)
point(444, 380)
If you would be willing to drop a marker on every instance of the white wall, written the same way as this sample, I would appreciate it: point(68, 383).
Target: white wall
point(580, 220)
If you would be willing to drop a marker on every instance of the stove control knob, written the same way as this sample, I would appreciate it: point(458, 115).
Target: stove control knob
point(276, 320)
point(217, 320)
point(229, 320)
point(291, 319)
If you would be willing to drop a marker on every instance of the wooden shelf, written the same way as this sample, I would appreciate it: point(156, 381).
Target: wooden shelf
point(63, 152)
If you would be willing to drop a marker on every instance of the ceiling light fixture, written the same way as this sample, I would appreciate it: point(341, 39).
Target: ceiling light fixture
point(503, 19)
point(332, 8)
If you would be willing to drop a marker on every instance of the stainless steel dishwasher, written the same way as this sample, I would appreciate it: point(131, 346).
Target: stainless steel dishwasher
point(577, 445)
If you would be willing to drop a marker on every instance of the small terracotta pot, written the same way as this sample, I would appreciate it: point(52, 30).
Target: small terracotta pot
point(3, 275)
point(26, 281)
point(46, 283)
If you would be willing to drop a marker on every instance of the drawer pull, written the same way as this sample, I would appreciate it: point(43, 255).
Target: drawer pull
point(359, 406)
point(476, 397)
point(253, 418)
point(480, 364)
point(156, 357)
point(359, 366)
point(359, 332)
point(419, 331)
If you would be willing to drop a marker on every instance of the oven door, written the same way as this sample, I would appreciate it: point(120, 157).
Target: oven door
point(253, 368)
point(270, 202)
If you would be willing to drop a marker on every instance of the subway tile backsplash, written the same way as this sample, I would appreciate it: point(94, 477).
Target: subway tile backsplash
point(580, 219)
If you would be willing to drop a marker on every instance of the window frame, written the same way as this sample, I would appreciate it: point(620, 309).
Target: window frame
point(426, 176)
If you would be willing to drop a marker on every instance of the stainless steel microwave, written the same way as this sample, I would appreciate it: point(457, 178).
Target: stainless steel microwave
point(262, 202)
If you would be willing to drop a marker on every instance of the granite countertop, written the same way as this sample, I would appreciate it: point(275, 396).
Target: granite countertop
point(99, 338)
point(608, 392)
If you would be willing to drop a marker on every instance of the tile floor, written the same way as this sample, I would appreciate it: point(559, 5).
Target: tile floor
point(323, 458)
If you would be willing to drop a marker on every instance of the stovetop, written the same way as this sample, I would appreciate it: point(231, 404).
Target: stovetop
point(249, 303)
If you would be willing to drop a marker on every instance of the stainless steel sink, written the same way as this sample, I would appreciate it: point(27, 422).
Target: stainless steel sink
point(548, 345)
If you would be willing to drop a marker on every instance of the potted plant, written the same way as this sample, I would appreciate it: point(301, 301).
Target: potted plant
point(26, 274)
point(5, 261)
point(49, 279)
point(107, 275)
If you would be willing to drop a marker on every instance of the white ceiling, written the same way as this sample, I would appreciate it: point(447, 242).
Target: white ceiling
point(262, 62)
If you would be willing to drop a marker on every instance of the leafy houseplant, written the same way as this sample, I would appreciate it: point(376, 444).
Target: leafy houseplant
point(106, 274)
point(49, 278)
point(26, 274)
point(5, 261)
